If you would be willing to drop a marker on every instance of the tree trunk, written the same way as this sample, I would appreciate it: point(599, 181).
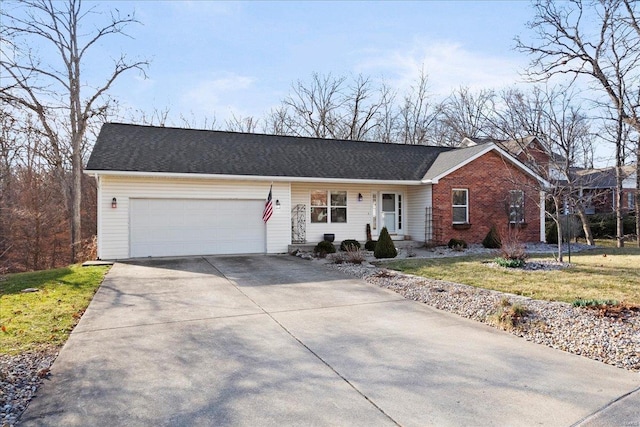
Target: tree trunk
point(586, 226)
point(619, 218)
point(559, 226)
point(637, 197)
point(76, 209)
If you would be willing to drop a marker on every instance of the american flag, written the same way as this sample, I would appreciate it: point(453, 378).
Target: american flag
point(268, 207)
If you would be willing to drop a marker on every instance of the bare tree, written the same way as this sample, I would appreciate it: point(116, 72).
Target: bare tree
point(465, 114)
point(550, 115)
point(242, 124)
point(418, 113)
point(595, 40)
point(331, 107)
point(63, 101)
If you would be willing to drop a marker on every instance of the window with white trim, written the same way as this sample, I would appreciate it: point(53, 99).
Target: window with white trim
point(328, 206)
point(338, 206)
point(516, 206)
point(460, 203)
point(630, 202)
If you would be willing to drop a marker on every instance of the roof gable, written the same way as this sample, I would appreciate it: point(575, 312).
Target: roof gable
point(449, 162)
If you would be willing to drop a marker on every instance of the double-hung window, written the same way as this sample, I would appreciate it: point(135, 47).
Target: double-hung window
point(516, 206)
point(328, 206)
point(460, 202)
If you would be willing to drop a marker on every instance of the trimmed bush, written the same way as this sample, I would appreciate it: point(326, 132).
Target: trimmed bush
point(385, 247)
point(457, 244)
point(370, 245)
point(492, 239)
point(323, 248)
point(551, 235)
point(349, 243)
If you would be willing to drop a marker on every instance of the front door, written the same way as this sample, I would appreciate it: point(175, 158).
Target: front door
point(389, 212)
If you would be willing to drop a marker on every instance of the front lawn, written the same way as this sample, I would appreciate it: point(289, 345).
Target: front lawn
point(30, 320)
point(602, 274)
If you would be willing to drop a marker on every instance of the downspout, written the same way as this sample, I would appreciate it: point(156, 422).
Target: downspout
point(99, 215)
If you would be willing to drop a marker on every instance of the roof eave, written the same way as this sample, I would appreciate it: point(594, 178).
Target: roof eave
point(139, 174)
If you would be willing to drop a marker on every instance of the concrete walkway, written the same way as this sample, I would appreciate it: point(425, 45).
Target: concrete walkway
point(277, 341)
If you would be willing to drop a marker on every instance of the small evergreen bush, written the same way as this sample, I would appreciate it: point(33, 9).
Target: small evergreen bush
point(349, 243)
point(492, 239)
point(323, 248)
point(457, 244)
point(385, 247)
point(370, 245)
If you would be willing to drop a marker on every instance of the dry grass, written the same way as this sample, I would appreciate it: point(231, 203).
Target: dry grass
point(46, 317)
point(603, 273)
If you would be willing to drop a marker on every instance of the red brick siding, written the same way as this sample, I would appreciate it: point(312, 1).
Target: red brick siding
point(536, 158)
point(488, 179)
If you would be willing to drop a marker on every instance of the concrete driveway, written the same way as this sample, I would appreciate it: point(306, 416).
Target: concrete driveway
point(275, 340)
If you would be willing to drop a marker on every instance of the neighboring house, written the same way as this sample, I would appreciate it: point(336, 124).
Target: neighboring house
point(598, 189)
point(168, 191)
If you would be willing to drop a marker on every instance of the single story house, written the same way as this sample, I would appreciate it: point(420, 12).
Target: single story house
point(598, 189)
point(170, 192)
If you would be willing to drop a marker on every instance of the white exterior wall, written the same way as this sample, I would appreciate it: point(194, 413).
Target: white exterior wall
point(359, 214)
point(418, 198)
point(113, 224)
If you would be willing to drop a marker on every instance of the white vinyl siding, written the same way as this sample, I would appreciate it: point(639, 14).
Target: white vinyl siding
point(359, 214)
point(114, 232)
point(418, 198)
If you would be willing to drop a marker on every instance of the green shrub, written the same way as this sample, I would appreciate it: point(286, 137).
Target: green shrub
point(385, 247)
point(323, 248)
point(603, 226)
point(457, 244)
point(594, 302)
point(349, 243)
point(492, 239)
point(370, 245)
point(551, 234)
point(509, 263)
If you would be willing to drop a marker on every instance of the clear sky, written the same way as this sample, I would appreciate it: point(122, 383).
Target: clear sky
point(218, 58)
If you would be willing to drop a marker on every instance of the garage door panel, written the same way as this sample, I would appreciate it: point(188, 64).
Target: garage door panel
point(168, 227)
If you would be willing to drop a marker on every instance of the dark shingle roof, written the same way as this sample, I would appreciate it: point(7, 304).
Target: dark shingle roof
point(601, 178)
point(133, 148)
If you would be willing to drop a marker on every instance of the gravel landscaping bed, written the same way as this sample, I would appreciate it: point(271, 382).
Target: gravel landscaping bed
point(612, 338)
point(20, 377)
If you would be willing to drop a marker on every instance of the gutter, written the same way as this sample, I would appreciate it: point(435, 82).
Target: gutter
point(137, 174)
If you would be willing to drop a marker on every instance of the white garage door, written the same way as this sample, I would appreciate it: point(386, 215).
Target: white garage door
point(168, 227)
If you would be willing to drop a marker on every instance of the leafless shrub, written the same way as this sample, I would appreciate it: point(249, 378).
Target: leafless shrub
point(512, 248)
point(354, 255)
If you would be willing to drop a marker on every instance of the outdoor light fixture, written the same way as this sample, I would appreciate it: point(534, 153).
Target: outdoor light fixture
point(114, 203)
point(359, 197)
point(277, 203)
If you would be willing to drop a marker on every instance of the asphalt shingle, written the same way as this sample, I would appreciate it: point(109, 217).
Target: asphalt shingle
point(134, 148)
